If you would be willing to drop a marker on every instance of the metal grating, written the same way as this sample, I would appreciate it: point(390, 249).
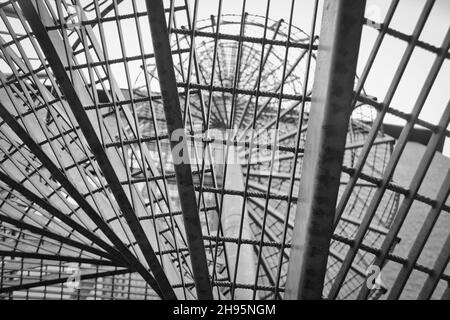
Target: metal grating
point(93, 117)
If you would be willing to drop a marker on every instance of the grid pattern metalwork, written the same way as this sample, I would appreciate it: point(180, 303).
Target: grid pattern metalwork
point(88, 179)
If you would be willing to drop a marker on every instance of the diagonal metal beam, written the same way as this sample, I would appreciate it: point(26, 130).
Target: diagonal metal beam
point(96, 146)
point(115, 90)
point(438, 269)
point(420, 172)
point(395, 156)
point(325, 144)
point(77, 178)
point(50, 280)
point(183, 172)
point(73, 192)
point(43, 256)
point(58, 214)
point(446, 294)
point(421, 240)
point(51, 235)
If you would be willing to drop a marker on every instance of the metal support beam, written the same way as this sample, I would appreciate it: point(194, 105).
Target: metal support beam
point(438, 269)
point(325, 144)
point(52, 280)
point(415, 185)
point(96, 146)
point(73, 192)
point(446, 294)
point(394, 158)
point(58, 214)
point(42, 256)
point(51, 235)
point(183, 172)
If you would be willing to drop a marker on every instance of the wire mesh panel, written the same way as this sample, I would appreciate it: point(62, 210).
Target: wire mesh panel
point(100, 198)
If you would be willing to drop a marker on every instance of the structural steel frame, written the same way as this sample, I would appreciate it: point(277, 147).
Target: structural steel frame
point(80, 184)
point(96, 146)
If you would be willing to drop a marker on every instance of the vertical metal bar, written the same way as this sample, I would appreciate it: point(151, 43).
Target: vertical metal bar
point(263, 59)
point(297, 147)
point(262, 65)
point(241, 223)
point(327, 130)
point(206, 147)
point(187, 117)
point(172, 111)
point(229, 116)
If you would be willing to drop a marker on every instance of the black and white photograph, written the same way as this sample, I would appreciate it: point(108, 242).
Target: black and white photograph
point(225, 156)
